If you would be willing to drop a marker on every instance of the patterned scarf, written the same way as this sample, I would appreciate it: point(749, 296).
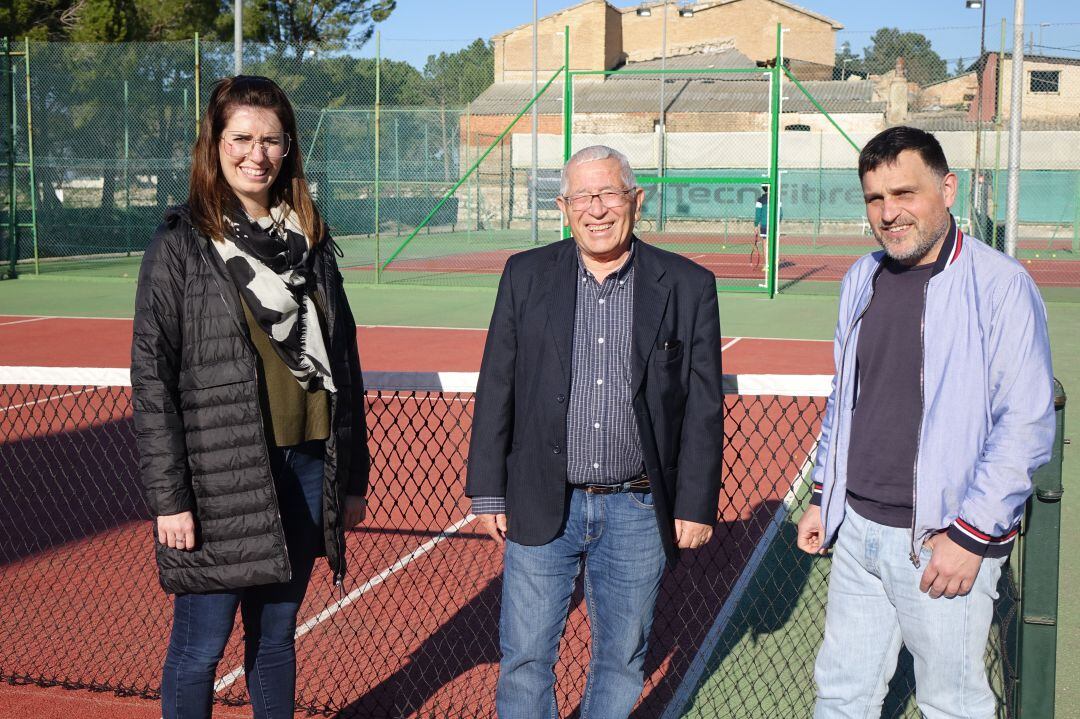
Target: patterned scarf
point(270, 264)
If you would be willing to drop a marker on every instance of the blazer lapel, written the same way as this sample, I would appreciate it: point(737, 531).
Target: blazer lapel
point(650, 303)
point(562, 288)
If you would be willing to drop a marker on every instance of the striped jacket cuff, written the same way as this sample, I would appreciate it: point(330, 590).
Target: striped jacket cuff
point(489, 505)
point(977, 542)
point(815, 496)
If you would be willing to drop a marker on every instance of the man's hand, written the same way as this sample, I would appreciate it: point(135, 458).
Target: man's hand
point(494, 525)
point(177, 531)
point(691, 535)
point(952, 569)
point(355, 510)
point(811, 533)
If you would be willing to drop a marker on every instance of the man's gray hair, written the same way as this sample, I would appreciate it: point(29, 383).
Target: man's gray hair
point(592, 154)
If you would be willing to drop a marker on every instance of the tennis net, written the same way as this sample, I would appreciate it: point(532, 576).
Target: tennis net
point(414, 632)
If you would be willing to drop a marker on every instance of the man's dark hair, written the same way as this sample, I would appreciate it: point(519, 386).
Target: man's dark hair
point(887, 146)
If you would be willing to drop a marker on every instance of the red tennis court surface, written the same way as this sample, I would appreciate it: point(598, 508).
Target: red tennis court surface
point(794, 267)
point(67, 342)
point(418, 635)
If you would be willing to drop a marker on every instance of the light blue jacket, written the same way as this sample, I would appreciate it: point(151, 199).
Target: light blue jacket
point(987, 385)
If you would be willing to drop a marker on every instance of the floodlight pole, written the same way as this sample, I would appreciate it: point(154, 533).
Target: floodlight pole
point(535, 137)
point(238, 37)
point(1012, 206)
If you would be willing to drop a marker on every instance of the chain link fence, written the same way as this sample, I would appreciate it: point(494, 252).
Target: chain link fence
point(424, 192)
point(414, 632)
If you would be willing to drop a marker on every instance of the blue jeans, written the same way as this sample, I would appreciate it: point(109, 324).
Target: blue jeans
point(875, 606)
point(616, 538)
point(202, 623)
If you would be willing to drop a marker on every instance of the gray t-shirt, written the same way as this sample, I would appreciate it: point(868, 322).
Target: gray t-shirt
point(885, 426)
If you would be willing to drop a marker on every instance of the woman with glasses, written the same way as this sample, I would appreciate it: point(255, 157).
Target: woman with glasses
point(249, 402)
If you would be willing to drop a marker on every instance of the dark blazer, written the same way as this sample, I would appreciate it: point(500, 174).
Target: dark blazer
point(518, 447)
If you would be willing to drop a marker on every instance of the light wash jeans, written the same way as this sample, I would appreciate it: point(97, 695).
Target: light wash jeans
point(875, 606)
point(616, 538)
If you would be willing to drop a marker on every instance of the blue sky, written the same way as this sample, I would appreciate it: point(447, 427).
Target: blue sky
point(418, 28)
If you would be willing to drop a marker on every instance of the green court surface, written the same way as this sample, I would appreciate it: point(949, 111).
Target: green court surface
point(799, 590)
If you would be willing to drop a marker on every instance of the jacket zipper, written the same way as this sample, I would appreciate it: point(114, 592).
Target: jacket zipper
point(262, 420)
point(914, 556)
point(840, 376)
point(331, 319)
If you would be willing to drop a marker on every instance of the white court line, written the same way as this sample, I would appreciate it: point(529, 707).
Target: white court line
point(692, 678)
point(355, 594)
point(46, 399)
point(423, 327)
point(729, 344)
point(20, 322)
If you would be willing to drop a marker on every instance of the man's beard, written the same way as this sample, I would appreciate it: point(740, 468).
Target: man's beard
point(923, 244)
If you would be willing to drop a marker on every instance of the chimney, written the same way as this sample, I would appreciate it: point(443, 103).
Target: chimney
point(896, 108)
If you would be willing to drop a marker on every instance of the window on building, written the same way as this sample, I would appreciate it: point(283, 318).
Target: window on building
point(798, 127)
point(1045, 81)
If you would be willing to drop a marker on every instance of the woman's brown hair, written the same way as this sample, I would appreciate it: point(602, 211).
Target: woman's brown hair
point(209, 195)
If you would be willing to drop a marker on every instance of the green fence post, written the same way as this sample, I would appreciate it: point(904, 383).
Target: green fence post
point(1037, 650)
point(771, 254)
point(30, 159)
point(198, 81)
point(127, 173)
point(567, 108)
point(13, 230)
point(378, 103)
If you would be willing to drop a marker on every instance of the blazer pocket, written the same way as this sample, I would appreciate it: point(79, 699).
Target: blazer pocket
point(668, 351)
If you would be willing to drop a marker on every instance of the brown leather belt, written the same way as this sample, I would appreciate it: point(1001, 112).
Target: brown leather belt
point(637, 484)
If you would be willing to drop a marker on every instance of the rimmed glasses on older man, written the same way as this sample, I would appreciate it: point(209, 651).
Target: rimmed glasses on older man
point(608, 198)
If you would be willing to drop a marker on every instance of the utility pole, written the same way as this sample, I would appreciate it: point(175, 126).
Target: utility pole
point(1012, 207)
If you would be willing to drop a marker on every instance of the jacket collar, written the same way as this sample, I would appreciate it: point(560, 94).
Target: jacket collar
point(950, 248)
point(650, 302)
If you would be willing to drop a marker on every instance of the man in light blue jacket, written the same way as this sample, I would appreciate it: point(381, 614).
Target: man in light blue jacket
point(941, 409)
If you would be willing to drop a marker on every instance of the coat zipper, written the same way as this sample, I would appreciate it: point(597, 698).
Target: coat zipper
point(331, 319)
point(262, 420)
point(914, 556)
point(840, 376)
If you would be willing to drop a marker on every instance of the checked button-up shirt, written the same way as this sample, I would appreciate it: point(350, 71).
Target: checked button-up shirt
point(603, 445)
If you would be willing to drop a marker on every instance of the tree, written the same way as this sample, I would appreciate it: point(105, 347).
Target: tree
point(456, 78)
point(847, 64)
point(105, 21)
point(298, 25)
point(924, 66)
point(38, 19)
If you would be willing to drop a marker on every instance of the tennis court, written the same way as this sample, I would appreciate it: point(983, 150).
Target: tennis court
point(414, 632)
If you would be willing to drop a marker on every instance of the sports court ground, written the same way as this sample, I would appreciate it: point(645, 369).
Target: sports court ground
point(400, 331)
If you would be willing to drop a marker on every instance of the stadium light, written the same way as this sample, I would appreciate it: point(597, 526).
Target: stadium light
point(643, 10)
point(686, 12)
point(974, 4)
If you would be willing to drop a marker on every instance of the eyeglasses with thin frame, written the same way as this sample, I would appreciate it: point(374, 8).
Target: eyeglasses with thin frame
point(275, 145)
point(608, 198)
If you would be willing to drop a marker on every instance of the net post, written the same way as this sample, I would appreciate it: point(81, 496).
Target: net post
point(1040, 550)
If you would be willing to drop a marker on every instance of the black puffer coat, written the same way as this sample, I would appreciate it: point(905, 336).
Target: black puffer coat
point(200, 432)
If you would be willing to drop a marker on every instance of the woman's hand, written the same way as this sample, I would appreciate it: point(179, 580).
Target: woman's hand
point(177, 531)
point(355, 510)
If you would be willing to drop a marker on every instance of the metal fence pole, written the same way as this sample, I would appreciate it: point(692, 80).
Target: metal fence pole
point(127, 171)
point(13, 230)
point(1012, 206)
point(1039, 581)
point(771, 254)
point(30, 159)
point(533, 210)
point(378, 104)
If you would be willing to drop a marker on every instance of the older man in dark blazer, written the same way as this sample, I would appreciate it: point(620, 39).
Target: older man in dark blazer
point(597, 436)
